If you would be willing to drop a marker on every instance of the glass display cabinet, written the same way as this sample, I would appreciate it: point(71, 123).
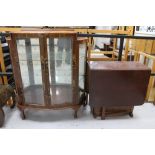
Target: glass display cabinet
point(49, 69)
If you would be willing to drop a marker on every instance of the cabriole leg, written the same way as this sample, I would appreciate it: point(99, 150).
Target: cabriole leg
point(22, 114)
point(75, 114)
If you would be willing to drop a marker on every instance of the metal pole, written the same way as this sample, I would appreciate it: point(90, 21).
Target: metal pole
point(120, 49)
point(6, 73)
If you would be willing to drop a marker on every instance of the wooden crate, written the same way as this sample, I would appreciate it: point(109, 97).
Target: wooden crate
point(142, 45)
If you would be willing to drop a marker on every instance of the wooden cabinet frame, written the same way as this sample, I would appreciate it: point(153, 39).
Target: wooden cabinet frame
point(43, 35)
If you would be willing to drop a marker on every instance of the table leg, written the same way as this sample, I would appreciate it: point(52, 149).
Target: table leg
point(131, 114)
point(103, 113)
point(93, 112)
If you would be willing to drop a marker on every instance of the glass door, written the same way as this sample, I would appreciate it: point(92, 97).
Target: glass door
point(29, 60)
point(60, 69)
point(46, 68)
point(82, 65)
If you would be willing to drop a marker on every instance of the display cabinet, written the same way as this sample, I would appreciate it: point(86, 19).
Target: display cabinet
point(47, 71)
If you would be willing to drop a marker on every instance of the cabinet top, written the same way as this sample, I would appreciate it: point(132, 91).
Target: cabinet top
point(116, 65)
point(44, 32)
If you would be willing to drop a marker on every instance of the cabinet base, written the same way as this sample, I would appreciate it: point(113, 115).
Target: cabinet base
point(111, 111)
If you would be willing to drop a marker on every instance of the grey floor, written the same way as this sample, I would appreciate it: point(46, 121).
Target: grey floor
point(144, 117)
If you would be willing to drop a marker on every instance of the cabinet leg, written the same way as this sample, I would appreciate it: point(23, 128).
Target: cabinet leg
point(14, 103)
point(86, 100)
point(94, 115)
point(2, 117)
point(23, 115)
point(103, 114)
point(131, 114)
point(75, 114)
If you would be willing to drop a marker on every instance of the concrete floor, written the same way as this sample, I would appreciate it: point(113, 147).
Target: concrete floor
point(144, 117)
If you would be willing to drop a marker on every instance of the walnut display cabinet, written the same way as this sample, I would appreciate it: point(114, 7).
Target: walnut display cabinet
point(47, 71)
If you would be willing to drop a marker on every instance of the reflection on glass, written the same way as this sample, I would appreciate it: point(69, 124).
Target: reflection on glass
point(59, 56)
point(60, 69)
point(30, 66)
point(82, 60)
